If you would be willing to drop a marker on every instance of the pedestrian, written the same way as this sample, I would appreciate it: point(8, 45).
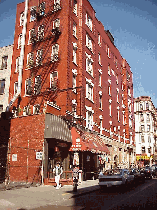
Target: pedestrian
point(58, 171)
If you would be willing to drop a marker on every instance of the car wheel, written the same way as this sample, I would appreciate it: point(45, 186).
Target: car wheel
point(150, 177)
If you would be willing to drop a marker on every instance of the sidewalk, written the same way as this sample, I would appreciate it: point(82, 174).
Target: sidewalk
point(43, 196)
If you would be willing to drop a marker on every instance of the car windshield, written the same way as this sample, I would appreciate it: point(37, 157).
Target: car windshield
point(113, 172)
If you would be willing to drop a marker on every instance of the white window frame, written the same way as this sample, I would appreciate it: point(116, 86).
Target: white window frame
point(109, 70)
point(26, 86)
point(19, 41)
point(55, 51)
point(33, 17)
point(75, 53)
point(36, 109)
point(53, 79)
point(74, 29)
point(89, 64)
point(89, 120)
point(40, 32)
point(30, 60)
point(22, 18)
point(99, 59)
point(89, 22)
point(110, 110)
point(99, 39)
point(39, 85)
point(17, 64)
point(100, 101)
point(74, 83)
point(56, 23)
point(100, 80)
point(89, 43)
point(75, 7)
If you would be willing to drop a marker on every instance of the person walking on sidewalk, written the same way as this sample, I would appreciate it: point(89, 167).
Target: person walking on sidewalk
point(58, 171)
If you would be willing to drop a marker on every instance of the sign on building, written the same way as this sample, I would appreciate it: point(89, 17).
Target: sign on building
point(39, 155)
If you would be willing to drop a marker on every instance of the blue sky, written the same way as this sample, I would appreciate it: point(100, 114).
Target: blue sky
point(133, 24)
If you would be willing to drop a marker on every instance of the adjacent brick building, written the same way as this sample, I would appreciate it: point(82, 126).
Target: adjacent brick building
point(65, 63)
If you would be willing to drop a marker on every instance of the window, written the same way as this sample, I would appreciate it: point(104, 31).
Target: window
point(75, 53)
point(15, 87)
point(36, 109)
point(142, 128)
point(56, 23)
point(26, 110)
point(142, 117)
point(148, 117)
point(99, 39)
point(89, 120)
point(75, 7)
point(117, 79)
point(19, 41)
point(116, 61)
point(149, 139)
point(4, 62)
point(17, 64)
point(108, 51)
point(110, 111)
point(142, 139)
point(55, 50)
point(89, 91)
point(33, 14)
point(141, 107)
point(109, 90)
point(32, 36)
point(100, 101)
point(100, 80)
point(123, 119)
point(30, 60)
point(100, 126)
point(74, 29)
point(74, 82)
point(117, 97)
point(89, 22)
point(149, 150)
point(148, 128)
point(53, 79)
point(129, 92)
point(57, 5)
point(147, 105)
point(2, 86)
point(89, 43)
point(99, 59)
point(42, 8)
point(127, 75)
point(109, 70)
point(40, 32)
point(21, 19)
point(37, 86)
point(130, 123)
point(89, 64)
point(143, 150)
point(39, 57)
point(28, 86)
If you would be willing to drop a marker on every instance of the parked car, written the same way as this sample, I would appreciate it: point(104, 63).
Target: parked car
point(154, 170)
point(115, 177)
point(147, 172)
point(136, 175)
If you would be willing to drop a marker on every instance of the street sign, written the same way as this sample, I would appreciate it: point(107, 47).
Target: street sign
point(39, 155)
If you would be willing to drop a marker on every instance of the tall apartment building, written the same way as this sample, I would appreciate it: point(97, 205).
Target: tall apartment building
point(66, 68)
point(5, 71)
point(145, 130)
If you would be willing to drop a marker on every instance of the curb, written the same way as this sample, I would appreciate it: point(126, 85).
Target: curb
point(92, 189)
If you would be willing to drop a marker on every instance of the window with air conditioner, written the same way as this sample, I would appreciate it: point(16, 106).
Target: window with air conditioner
point(21, 19)
point(28, 86)
point(53, 79)
point(89, 42)
point(30, 60)
point(37, 86)
point(4, 62)
point(33, 14)
point(89, 22)
point(56, 6)
point(40, 32)
point(75, 7)
point(42, 9)
point(55, 50)
point(39, 57)
point(15, 87)
point(2, 86)
point(19, 41)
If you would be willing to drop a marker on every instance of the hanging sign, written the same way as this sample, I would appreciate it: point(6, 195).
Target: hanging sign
point(14, 157)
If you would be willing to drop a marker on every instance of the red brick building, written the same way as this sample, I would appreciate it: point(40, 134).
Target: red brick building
point(66, 64)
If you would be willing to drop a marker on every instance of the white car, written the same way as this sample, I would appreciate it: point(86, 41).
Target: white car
point(115, 177)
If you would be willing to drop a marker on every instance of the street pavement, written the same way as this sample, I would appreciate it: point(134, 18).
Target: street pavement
point(45, 197)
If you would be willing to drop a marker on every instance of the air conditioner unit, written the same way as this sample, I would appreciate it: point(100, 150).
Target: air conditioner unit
point(54, 58)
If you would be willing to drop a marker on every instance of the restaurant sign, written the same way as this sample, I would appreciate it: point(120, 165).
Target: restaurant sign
point(144, 157)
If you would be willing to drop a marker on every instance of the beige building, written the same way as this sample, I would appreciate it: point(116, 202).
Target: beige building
point(5, 71)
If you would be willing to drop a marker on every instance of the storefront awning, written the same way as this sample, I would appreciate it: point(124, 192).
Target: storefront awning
point(87, 142)
point(57, 128)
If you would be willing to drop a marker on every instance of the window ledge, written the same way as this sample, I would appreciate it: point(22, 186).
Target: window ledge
point(90, 100)
point(75, 37)
point(100, 109)
point(75, 63)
